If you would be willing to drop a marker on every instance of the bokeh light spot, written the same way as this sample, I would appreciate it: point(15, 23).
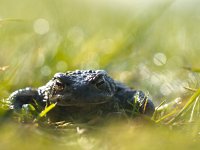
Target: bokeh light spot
point(41, 26)
point(45, 71)
point(76, 35)
point(159, 59)
point(61, 66)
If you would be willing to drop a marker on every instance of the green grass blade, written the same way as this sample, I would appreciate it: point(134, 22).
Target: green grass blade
point(45, 111)
point(165, 117)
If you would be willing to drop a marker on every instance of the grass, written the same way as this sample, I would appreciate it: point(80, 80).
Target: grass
point(148, 45)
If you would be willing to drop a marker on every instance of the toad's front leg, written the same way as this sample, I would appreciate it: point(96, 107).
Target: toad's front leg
point(25, 96)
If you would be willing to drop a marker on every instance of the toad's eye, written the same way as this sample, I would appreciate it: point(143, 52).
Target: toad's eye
point(100, 83)
point(59, 86)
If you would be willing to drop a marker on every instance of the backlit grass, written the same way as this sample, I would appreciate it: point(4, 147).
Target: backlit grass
point(149, 45)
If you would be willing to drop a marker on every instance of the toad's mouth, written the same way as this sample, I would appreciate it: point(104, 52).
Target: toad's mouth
point(76, 102)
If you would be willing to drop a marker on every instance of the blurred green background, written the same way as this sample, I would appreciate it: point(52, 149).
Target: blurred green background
point(143, 43)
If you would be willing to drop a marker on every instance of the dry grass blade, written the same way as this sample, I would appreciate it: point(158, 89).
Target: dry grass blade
point(190, 89)
point(192, 99)
point(156, 110)
point(193, 109)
